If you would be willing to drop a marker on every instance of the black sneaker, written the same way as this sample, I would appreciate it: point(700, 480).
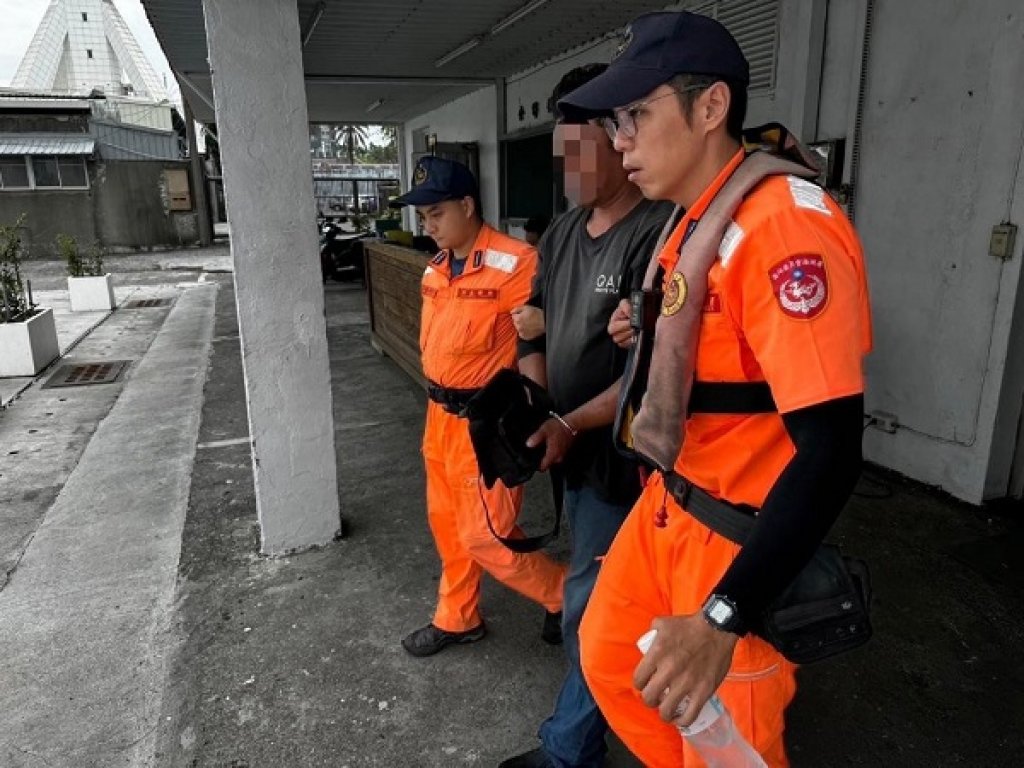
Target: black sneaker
point(428, 640)
point(535, 758)
point(552, 630)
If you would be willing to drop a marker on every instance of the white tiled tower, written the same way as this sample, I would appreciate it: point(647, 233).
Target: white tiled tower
point(85, 44)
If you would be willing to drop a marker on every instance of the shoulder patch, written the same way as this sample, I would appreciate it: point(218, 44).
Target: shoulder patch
point(428, 270)
point(506, 262)
point(800, 285)
point(730, 242)
point(808, 195)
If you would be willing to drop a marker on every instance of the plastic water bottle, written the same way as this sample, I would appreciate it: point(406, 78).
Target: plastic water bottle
point(713, 734)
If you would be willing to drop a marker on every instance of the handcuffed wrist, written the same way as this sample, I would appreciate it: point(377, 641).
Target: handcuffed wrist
point(564, 423)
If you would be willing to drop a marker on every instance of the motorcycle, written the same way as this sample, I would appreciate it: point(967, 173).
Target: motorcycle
point(341, 251)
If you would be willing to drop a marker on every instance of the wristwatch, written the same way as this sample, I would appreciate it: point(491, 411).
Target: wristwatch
point(720, 612)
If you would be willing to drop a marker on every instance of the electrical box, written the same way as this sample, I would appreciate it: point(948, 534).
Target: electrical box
point(178, 193)
point(1001, 242)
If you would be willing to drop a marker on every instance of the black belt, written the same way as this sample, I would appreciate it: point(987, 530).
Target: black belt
point(734, 521)
point(451, 399)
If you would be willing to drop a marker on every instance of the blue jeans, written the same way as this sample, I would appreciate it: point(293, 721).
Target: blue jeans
point(573, 736)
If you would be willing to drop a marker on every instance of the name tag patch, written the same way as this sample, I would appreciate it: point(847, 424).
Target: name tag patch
point(506, 262)
point(478, 293)
point(426, 290)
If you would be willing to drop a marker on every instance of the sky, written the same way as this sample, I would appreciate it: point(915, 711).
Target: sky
point(20, 18)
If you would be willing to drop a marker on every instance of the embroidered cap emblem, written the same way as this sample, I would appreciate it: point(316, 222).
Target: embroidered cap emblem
point(675, 295)
point(419, 175)
point(624, 43)
point(800, 284)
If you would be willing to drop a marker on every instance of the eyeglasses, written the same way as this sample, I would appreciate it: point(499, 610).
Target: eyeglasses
point(624, 119)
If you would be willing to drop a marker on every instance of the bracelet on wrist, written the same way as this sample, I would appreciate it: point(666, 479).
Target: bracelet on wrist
point(564, 423)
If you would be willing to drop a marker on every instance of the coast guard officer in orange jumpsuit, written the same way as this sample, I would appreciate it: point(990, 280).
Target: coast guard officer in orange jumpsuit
point(787, 307)
point(466, 336)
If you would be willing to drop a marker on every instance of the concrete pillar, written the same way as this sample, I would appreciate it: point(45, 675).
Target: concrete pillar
point(262, 122)
point(198, 178)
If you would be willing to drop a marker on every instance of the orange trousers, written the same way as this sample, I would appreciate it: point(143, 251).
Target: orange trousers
point(467, 547)
point(651, 572)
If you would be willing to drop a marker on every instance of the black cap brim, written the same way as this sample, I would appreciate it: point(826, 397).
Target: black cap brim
point(617, 86)
point(420, 197)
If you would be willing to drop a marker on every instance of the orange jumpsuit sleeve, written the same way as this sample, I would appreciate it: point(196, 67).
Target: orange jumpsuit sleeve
point(797, 290)
point(520, 284)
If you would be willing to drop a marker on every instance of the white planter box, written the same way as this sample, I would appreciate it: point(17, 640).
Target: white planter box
point(89, 294)
point(29, 346)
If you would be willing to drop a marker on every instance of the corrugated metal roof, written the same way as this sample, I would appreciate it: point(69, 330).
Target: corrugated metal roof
point(45, 144)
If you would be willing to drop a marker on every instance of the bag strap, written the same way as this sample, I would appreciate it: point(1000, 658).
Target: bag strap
point(533, 543)
point(731, 397)
point(723, 518)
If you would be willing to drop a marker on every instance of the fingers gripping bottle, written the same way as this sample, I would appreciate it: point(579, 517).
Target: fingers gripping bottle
point(713, 734)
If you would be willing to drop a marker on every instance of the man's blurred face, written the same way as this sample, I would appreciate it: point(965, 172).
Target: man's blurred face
point(590, 165)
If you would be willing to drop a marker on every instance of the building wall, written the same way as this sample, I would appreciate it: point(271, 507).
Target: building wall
point(126, 207)
point(132, 206)
point(472, 118)
point(47, 214)
point(939, 167)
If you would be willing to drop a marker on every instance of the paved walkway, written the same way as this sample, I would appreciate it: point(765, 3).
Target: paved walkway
point(139, 626)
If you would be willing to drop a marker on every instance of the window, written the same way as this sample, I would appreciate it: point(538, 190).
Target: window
point(88, 52)
point(13, 173)
point(45, 171)
point(72, 171)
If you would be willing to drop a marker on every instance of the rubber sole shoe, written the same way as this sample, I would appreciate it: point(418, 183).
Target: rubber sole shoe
point(551, 632)
point(535, 758)
point(428, 640)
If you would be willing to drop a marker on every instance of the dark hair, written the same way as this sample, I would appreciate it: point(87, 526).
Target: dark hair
point(536, 224)
point(737, 99)
point(478, 206)
point(570, 81)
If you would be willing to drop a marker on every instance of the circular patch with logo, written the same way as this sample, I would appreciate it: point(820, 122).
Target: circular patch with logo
point(419, 175)
point(624, 41)
point(675, 295)
point(800, 284)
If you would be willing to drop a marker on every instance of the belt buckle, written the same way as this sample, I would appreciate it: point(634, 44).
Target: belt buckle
point(681, 489)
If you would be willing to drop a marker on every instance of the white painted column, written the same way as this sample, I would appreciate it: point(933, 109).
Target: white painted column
point(262, 122)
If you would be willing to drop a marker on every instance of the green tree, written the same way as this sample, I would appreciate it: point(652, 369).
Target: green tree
point(354, 137)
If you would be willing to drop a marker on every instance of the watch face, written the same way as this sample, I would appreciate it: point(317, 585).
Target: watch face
point(720, 612)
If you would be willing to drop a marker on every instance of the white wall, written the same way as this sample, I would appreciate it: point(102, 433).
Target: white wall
point(940, 144)
point(471, 118)
point(537, 83)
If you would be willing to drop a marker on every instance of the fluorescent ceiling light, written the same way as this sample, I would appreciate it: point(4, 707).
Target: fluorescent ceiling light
point(375, 105)
point(314, 19)
point(466, 47)
point(516, 15)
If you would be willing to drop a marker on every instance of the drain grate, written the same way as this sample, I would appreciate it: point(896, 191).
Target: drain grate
point(80, 374)
point(145, 303)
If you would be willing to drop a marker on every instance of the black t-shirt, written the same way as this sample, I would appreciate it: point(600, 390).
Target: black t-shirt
point(580, 280)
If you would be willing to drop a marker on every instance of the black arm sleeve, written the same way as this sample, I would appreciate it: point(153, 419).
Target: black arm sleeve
point(802, 505)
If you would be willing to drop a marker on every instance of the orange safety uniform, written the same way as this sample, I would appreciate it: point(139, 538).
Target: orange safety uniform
point(466, 336)
point(787, 303)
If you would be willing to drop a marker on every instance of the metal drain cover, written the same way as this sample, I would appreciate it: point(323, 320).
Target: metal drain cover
point(80, 374)
point(146, 303)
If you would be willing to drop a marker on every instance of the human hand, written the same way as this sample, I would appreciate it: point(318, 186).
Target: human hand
point(556, 440)
point(529, 322)
point(619, 327)
point(685, 665)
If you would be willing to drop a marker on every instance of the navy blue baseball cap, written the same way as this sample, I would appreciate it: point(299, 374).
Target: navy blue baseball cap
point(436, 180)
point(655, 48)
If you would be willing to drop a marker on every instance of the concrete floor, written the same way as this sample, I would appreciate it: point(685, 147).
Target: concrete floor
point(145, 630)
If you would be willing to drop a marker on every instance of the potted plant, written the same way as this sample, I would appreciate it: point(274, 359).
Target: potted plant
point(28, 334)
point(89, 288)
